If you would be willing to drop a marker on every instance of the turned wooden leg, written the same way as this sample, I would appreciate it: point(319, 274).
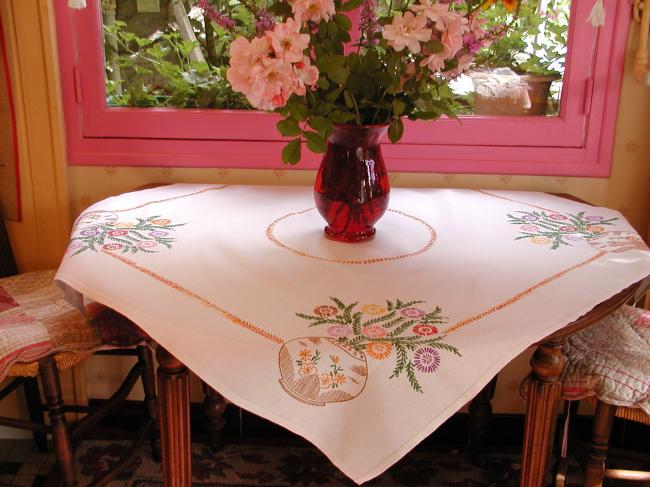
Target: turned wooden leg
point(151, 401)
point(214, 407)
point(33, 399)
point(480, 412)
point(174, 399)
point(602, 429)
point(60, 432)
point(541, 413)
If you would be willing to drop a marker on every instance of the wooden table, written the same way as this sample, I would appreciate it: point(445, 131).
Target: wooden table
point(541, 414)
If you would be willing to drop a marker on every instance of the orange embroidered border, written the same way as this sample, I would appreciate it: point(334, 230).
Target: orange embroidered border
point(519, 296)
point(376, 260)
point(512, 200)
point(172, 198)
point(230, 316)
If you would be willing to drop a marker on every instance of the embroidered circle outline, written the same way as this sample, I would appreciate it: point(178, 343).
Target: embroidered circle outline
point(375, 260)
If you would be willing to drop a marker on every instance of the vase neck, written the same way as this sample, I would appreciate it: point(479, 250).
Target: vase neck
point(357, 135)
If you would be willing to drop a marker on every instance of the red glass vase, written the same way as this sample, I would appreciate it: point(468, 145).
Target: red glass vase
point(352, 188)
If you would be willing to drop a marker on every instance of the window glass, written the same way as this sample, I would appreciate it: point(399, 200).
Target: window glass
point(169, 53)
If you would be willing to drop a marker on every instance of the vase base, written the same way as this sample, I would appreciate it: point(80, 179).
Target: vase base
point(357, 237)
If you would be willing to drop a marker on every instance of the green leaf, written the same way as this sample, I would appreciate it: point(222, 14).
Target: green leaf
point(332, 29)
point(323, 84)
point(398, 107)
point(288, 127)
point(349, 101)
point(350, 5)
point(395, 130)
point(339, 116)
point(298, 110)
point(320, 124)
point(339, 76)
point(329, 63)
point(343, 22)
point(315, 142)
point(291, 152)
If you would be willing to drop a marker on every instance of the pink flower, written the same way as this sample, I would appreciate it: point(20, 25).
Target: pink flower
point(452, 37)
point(287, 41)
point(271, 84)
point(437, 13)
point(464, 62)
point(314, 10)
point(435, 61)
point(245, 55)
point(374, 331)
point(407, 31)
point(305, 75)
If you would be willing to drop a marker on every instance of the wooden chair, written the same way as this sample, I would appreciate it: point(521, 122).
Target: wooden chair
point(608, 363)
point(41, 334)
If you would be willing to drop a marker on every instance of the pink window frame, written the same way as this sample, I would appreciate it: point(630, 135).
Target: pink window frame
point(577, 143)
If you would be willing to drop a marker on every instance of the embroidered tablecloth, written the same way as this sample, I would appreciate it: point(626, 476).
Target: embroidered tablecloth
point(363, 349)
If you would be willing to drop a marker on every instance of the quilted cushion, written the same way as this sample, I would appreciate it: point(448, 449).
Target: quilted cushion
point(611, 360)
point(36, 321)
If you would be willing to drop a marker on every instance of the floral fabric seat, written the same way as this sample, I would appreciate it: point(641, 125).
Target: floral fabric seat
point(611, 361)
point(36, 321)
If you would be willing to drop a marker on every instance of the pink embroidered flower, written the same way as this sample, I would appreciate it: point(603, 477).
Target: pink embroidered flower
point(643, 320)
point(407, 31)
point(117, 233)
point(374, 331)
point(413, 312)
point(113, 246)
point(339, 331)
point(424, 329)
point(146, 244)
point(568, 228)
point(529, 228)
point(314, 10)
point(426, 359)
point(287, 41)
point(574, 236)
point(325, 310)
point(557, 216)
point(157, 234)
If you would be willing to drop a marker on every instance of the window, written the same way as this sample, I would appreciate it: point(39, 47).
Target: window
point(576, 142)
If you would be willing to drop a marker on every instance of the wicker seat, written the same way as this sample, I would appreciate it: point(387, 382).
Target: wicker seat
point(41, 334)
point(609, 363)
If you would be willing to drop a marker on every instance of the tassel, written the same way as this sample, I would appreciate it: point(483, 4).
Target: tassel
point(77, 4)
point(597, 15)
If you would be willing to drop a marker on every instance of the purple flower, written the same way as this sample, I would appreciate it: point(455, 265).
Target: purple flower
point(412, 313)
point(157, 234)
point(426, 359)
point(90, 233)
point(265, 21)
point(530, 218)
point(368, 22)
point(594, 218)
point(339, 331)
point(215, 16)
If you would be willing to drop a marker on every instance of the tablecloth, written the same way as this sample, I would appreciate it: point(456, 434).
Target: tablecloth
point(363, 349)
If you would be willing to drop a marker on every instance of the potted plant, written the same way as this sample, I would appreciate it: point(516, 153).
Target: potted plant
point(517, 70)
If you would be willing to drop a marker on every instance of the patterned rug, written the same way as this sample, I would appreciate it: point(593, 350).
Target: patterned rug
point(265, 465)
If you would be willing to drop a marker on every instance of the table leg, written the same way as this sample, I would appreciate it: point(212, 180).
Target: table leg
point(214, 407)
point(174, 400)
point(543, 392)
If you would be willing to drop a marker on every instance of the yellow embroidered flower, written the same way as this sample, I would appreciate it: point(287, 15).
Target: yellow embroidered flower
point(161, 222)
point(124, 225)
point(305, 354)
point(595, 229)
point(540, 240)
point(373, 309)
point(326, 381)
point(340, 379)
point(307, 369)
point(379, 350)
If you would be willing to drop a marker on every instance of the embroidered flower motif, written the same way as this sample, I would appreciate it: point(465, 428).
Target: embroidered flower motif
point(90, 232)
point(424, 329)
point(426, 359)
point(326, 381)
point(325, 310)
point(643, 321)
point(374, 331)
point(113, 246)
point(557, 216)
point(335, 359)
point(412, 312)
point(339, 331)
point(594, 219)
point(161, 222)
point(305, 355)
point(379, 350)
point(157, 233)
point(530, 218)
point(307, 369)
point(540, 240)
point(146, 244)
point(373, 309)
point(595, 229)
point(339, 379)
point(529, 228)
point(117, 233)
point(574, 236)
point(124, 225)
point(568, 228)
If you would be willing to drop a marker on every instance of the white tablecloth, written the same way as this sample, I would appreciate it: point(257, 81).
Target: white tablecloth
point(363, 349)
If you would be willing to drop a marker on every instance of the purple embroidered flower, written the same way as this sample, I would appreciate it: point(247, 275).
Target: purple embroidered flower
point(426, 359)
point(157, 233)
point(529, 228)
point(90, 232)
point(413, 312)
point(594, 218)
point(574, 236)
point(339, 331)
point(530, 218)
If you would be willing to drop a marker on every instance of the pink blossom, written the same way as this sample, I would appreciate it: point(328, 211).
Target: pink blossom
point(287, 41)
point(464, 62)
point(271, 82)
point(244, 56)
point(407, 31)
point(314, 10)
point(436, 61)
point(437, 13)
point(452, 37)
point(305, 75)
